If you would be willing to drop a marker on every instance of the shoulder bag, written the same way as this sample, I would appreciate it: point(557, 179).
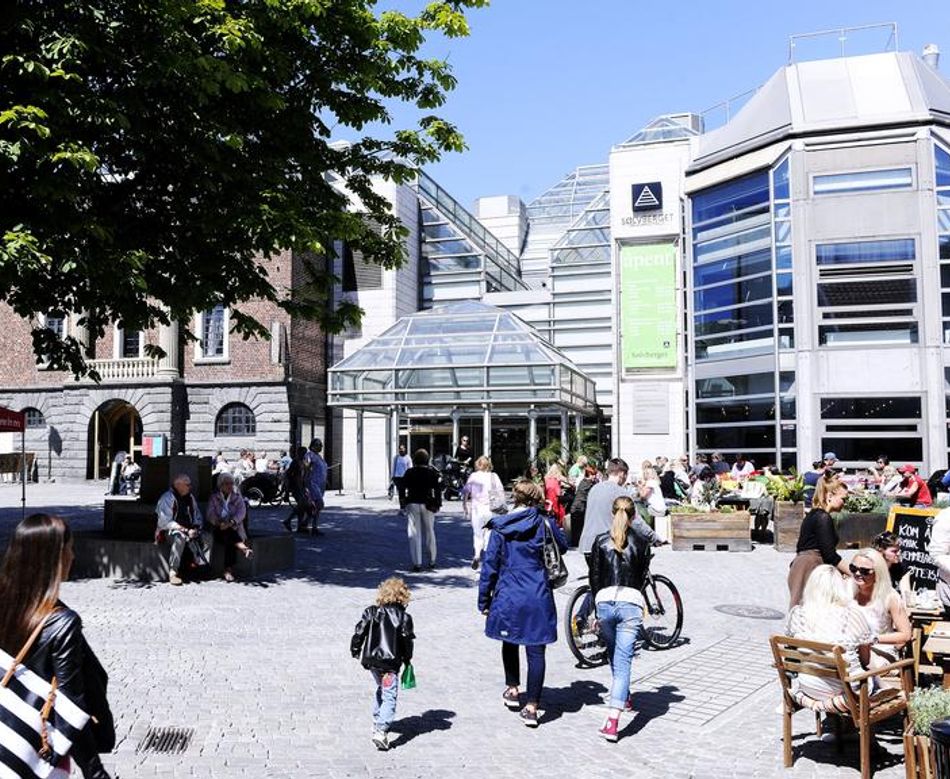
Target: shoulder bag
point(496, 498)
point(553, 562)
point(40, 722)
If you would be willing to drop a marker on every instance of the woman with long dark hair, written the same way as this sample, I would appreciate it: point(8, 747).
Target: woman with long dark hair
point(618, 564)
point(36, 563)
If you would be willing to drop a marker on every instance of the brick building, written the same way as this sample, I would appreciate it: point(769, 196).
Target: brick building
point(219, 393)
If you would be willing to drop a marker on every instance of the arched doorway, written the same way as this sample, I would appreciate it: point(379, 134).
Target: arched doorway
point(114, 427)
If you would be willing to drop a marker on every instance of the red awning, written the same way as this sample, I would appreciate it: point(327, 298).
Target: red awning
point(11, 421)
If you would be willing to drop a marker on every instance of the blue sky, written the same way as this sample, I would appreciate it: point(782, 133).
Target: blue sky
point(546, 85)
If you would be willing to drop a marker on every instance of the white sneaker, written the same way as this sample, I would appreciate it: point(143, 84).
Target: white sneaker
point(381, 740)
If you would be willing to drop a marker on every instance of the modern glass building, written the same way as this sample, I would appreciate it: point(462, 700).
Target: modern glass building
point(778, 286)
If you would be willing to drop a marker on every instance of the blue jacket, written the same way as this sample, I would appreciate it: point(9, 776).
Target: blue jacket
point(514, 586)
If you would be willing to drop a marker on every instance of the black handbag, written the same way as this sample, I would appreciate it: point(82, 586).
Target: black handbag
point(553, 561)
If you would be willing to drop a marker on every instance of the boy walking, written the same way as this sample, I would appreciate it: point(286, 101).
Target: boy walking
point(383, 641)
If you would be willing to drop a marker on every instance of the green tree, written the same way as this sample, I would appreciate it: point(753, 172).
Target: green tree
point(153, 155)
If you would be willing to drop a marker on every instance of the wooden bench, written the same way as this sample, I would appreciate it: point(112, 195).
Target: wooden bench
point(795, 656)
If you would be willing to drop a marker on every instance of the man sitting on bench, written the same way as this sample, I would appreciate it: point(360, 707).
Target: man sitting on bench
point(180, 519)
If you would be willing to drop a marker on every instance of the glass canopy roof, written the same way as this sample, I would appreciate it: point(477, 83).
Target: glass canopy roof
point(460, 355)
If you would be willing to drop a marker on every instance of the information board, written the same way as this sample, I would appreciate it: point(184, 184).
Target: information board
point(913, 527)
point(648, 306)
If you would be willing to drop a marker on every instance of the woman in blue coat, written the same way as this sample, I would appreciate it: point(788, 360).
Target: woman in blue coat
point(515, 595)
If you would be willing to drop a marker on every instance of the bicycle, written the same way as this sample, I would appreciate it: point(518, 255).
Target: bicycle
point(662, 619)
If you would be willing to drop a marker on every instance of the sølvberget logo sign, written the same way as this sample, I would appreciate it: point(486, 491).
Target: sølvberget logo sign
point(647, 200)
point(648, 197)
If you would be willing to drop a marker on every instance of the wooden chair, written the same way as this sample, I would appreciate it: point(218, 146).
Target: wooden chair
point(795, 656)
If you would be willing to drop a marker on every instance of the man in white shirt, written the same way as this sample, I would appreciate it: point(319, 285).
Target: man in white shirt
point(742, 469)
point(402, 462)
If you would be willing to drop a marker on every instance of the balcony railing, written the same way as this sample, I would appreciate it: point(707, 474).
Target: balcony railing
point(136, 368)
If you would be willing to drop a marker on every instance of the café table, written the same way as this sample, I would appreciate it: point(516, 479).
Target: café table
point(937, 645)
point(925, 621)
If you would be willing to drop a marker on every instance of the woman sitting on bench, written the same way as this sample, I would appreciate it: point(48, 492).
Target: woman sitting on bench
point(226, 513)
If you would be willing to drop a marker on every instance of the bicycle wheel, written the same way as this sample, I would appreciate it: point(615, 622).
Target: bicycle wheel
point(254, 496)
point(663, 616)
point(583, 641)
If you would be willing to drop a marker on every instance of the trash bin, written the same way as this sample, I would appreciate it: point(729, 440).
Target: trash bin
point(940, 742)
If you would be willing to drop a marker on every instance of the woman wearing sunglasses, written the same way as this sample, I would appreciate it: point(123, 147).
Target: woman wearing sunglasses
point(818, 538)
point(882, 606)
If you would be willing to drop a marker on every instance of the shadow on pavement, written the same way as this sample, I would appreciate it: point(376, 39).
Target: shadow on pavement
point(887, 736)
point(429, 721)
point(558, 701)
point(651, 705)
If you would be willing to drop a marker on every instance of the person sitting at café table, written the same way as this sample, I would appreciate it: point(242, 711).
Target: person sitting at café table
point(882, 606)
point(900, 574)
point(742, 469)
point(830, 461)
point(227, 511)
point(818, 537)
point(939, 550)
point(913, 489)
point(828, 613)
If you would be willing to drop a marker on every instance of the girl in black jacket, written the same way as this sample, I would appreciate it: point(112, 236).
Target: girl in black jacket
point(383, 640)
point(618, 565)
point(37, 561)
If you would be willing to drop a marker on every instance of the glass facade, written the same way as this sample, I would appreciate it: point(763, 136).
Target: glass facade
point(858, 429)
point(942, 165)
point(588, 239)
point(460, 355)
point(863, 181)
point(741, 307)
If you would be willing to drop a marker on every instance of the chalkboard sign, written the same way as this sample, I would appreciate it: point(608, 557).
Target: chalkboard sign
point(913, 527)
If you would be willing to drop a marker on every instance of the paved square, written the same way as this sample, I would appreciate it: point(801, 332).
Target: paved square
point(261, 669)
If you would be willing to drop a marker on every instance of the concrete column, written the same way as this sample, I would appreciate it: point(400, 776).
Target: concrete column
point(79, 331)
point(486, 431)
point(565, 440)
point(168, 340)
point(578, 426)
point(456, 415)
point(532, 434)
point(393, 434)
point(359, 453)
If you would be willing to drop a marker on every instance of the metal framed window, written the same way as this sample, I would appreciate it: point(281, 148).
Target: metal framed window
point(34, 418)
point(212, 327)
point(235, 419)
point(863, 181)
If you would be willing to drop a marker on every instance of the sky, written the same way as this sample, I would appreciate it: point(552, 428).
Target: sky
point(547, 85)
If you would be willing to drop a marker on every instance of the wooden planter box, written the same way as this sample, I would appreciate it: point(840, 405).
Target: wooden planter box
point(858, 530)
point(918, 758)
point(788, 523)
point(713, 531)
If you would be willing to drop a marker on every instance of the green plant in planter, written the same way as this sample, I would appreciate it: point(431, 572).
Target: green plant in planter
point(928, 706)
point(865, 503)
point(787, 489)
point(943, 503)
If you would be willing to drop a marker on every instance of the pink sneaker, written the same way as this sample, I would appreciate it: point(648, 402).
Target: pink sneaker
point(609, 730)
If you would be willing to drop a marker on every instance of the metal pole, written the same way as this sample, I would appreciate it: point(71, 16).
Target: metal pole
point(23, 471)
point(393, 435)
point(95, 446)
point(456, 414)
point(359, 453)
point(486, 432)
point(532, 434)
point(565, 448)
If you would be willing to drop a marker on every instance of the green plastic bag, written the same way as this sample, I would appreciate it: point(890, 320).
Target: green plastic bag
point(408, 680)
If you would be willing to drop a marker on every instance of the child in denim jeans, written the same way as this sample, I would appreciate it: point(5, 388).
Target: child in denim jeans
point(383, 641)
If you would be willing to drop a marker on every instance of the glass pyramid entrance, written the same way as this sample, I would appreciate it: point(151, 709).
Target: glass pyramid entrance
point(457, 356)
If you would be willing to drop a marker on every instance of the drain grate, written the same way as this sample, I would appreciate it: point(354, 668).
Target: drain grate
point(166, 741)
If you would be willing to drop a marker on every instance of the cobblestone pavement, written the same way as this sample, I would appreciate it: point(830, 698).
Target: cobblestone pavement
point(261, 669)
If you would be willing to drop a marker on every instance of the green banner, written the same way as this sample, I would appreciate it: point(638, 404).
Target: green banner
point(648, 306)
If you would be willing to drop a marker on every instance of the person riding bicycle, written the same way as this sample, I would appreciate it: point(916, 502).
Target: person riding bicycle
point(618, 564)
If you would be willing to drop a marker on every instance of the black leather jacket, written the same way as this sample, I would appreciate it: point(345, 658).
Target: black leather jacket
point(383, 638)
point(61, 651)
point(610, 568)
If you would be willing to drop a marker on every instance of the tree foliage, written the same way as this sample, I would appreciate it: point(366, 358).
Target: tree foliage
point(153, 155)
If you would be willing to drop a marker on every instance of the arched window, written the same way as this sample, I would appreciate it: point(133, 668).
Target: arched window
point(34, 418)
point(235, 419)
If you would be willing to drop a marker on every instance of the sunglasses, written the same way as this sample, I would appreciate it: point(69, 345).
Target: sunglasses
point(860, 570)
